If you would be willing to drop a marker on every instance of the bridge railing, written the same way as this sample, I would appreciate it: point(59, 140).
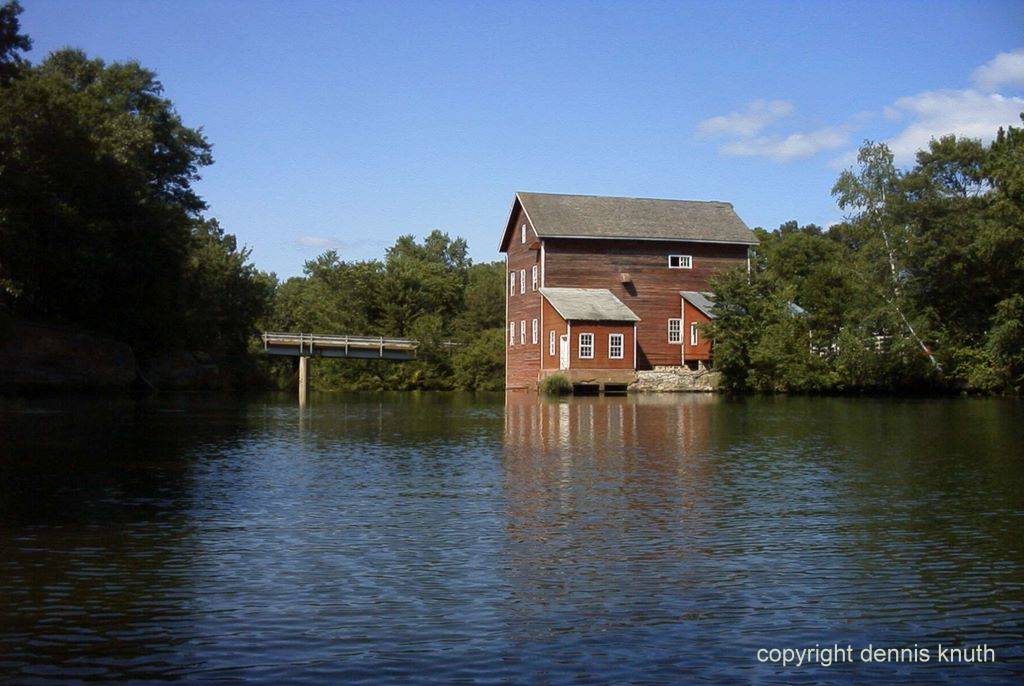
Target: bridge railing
point(327, 339)
point(306, 342)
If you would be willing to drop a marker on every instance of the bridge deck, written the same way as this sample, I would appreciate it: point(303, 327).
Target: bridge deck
point(321, 345)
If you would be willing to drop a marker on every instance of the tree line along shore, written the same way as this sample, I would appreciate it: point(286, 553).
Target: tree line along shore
point(114, 273)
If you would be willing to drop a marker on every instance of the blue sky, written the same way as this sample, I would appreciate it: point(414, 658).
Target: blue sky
point(345, 125)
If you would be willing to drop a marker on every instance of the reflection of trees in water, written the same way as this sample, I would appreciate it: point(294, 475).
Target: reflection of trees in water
point(143, 529)
point(95, 577)
point(77, 460)
point(919, 499)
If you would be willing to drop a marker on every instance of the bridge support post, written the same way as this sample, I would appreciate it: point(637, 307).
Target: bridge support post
point(303, 378)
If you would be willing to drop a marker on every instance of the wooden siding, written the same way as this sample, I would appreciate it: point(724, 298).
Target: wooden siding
point(653, 290)
point(601, 330)
point(552, 322)
point(522, 362)
point(701, 351)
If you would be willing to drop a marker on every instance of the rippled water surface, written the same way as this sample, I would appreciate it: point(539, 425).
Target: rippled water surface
point(415, 538)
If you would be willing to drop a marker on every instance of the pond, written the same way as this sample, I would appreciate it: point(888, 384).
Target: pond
point(409, 538)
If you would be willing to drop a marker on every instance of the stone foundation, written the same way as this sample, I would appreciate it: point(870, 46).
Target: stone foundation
point(669, 379)
point(593, 376)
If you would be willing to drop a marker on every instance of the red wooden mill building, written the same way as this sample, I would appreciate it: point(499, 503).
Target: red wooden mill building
point(599, 288)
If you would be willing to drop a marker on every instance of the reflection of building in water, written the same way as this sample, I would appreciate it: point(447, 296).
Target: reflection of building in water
point(589, 483)
point(664, 424)
point(561, 453)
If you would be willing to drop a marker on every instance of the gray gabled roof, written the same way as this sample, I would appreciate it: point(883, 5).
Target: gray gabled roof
point(702, 300)
point(590, 304)
point(705, 302)
point(595, 216)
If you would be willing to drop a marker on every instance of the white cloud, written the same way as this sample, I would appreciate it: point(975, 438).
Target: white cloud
point(318, 242)
point(969, 113)
point(1005, 69)
point(966, 113)
point(750, 121)
point(891, 113)
point(792, 147)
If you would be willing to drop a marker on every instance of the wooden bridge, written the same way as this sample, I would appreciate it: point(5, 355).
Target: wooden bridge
point(319, 345)
point(307, 345)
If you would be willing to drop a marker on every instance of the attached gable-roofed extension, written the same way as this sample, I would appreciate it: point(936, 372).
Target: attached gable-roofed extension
point(593, 216)
point(705, 302)
point(702, 300)
point(588, 304)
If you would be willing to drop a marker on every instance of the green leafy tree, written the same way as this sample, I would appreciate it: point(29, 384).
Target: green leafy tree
point(484, 302)
point(762, 343)
point(920, 287)
point(479, 362)
point(429, 291)
point(12, 42)
point(875, 194)
point(98, 204)
point(100, 225)
point(225, 296)
point(1005, 342)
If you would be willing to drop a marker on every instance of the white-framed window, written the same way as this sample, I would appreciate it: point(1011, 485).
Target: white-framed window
point(675, 330)
point(511, 334)
point(586, 346)
point(534, 281)
point(522, 233)
point(693, 333)
point(522, 332)
point(522, 281)
point(512, 283)
point(680, 262)
point(533, 332)
point(615, 345)
point(551, 342)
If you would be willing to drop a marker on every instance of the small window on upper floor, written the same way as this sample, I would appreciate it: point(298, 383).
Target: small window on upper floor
point(522, 234)
point(680, 262)
point(522, 281)
point(534, 281)
point(512, 283)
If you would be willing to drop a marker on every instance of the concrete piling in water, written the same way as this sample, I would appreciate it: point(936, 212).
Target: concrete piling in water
point(303, 379)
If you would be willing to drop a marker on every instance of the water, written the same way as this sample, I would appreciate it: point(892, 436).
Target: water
point(418, 538)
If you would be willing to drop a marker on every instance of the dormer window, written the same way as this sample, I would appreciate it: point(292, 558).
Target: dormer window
point(680, 262)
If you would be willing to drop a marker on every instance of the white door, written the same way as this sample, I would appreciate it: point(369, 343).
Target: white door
point(563, 351)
